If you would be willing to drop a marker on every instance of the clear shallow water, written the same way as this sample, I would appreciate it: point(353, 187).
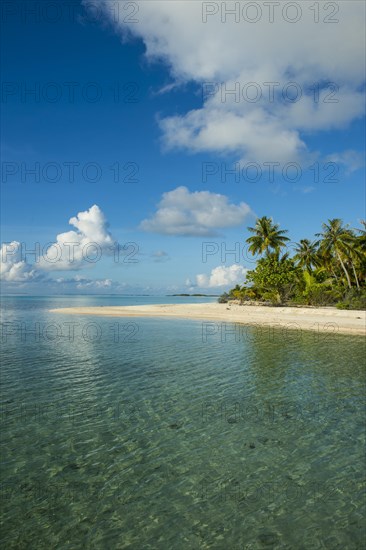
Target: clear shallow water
point(158, 434)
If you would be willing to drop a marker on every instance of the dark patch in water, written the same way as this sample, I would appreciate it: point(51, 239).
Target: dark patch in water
point(268, 539)
point(72, 466)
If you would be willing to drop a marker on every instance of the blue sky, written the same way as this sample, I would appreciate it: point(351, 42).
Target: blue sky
point(153, 121)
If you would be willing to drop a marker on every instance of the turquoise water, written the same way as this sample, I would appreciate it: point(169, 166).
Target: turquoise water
point(161, 434)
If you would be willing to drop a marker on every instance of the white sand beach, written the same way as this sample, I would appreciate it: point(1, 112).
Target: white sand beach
point(327, 319)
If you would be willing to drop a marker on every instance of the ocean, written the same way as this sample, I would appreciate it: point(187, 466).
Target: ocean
point(177, 434)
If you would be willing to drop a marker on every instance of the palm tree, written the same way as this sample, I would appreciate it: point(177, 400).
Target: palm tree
point(362, 231)
point(327, 264)
point(337, 240)
point(357, 252)
point(267, 237)
point(360, 251)
point(307, 254)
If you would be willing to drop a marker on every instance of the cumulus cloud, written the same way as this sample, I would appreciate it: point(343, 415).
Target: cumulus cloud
point(76, 249)
point(222, 276)
point(253, 136)
point(199, 213)
point(80, 283)
point(13, 268)
point(229, 52)
point(72, 250)
point(71, 285)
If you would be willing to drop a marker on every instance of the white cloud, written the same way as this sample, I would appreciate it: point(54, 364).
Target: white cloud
point(222, 276)
point(85, 283)
point(351, 160)
point(72, 250)
point(236, 53)
point(13, 268)
point(71, 285)
point(198, 213)
point(253, 136)
point(76, 249)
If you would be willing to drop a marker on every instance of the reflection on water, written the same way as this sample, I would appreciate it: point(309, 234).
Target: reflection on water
point(151, 436)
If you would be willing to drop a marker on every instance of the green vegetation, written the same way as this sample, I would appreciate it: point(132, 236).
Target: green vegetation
point(324, 272)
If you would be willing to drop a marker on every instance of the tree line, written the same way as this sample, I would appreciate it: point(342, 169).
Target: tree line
point(329, 270)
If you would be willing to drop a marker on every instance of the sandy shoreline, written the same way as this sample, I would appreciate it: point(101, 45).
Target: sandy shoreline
point(329, 320)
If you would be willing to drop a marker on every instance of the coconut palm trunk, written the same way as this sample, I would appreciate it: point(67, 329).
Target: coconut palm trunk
point(355, 274)
point(344, 269)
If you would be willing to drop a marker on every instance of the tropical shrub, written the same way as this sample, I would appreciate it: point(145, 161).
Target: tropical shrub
point(224, 298)
point(274, 278)
point(353, 299)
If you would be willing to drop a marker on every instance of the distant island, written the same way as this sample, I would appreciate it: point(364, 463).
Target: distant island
point(207, 295)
